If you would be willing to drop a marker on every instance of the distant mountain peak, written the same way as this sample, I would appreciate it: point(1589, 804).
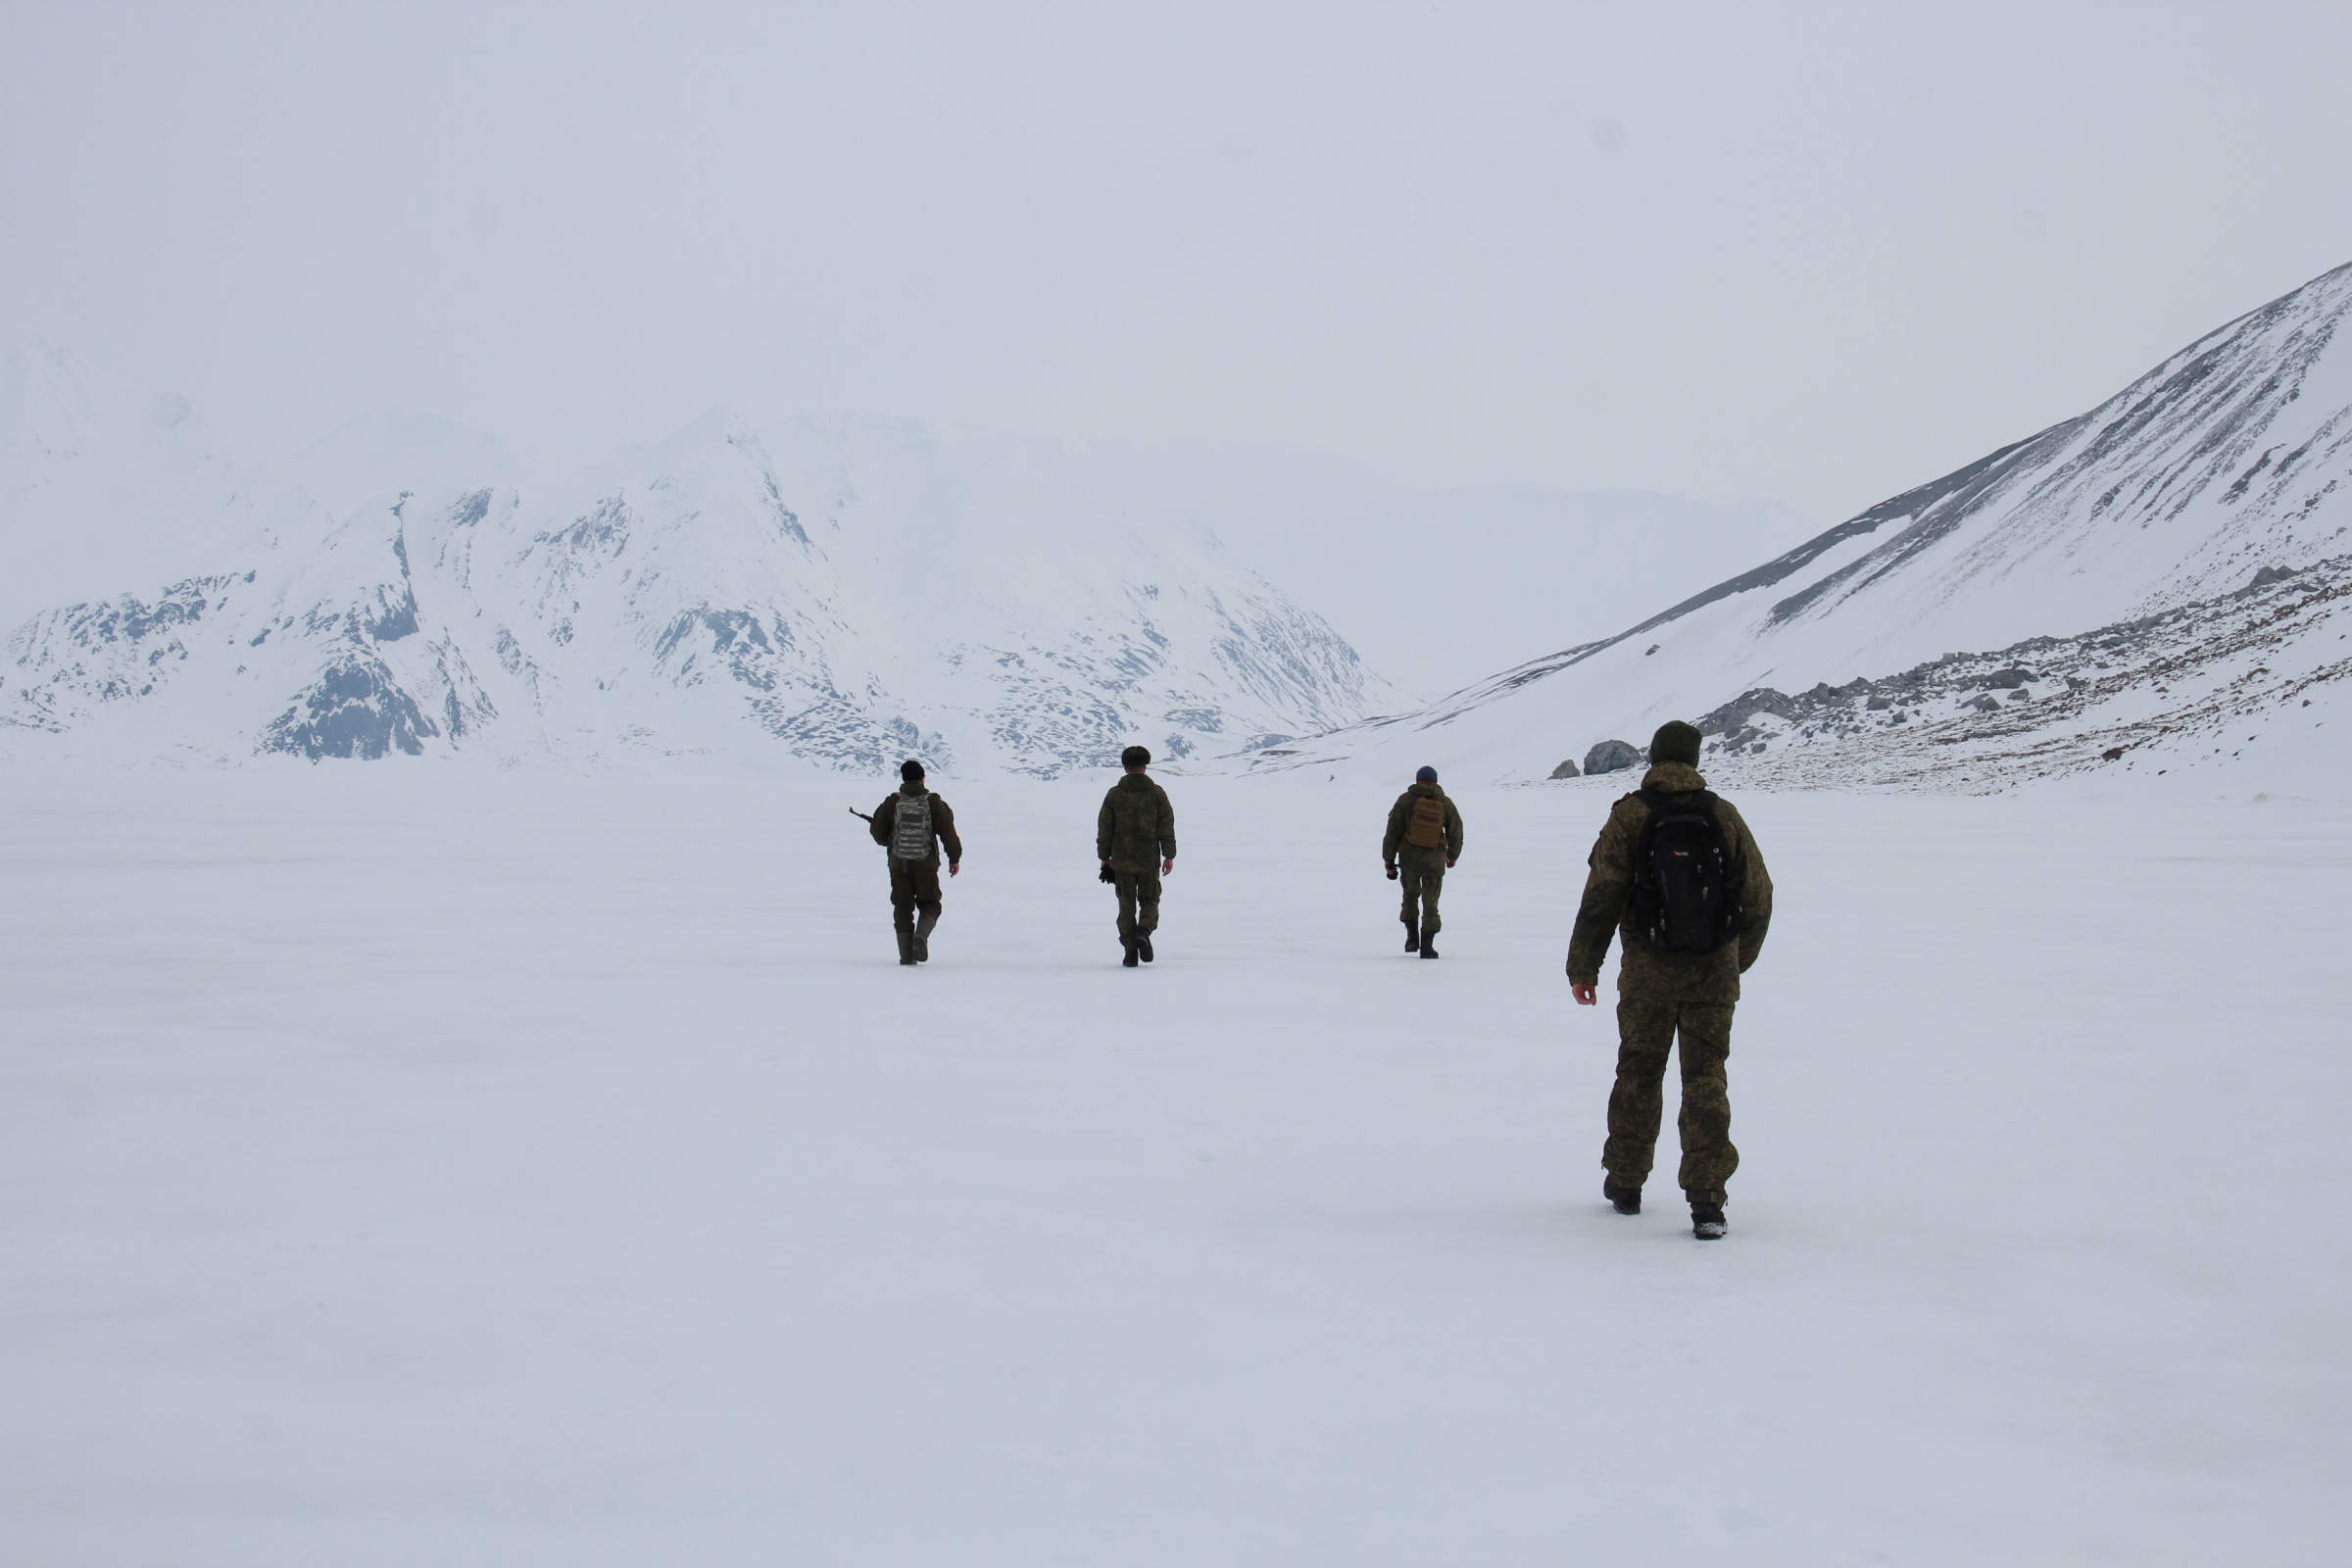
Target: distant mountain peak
point(674, 602)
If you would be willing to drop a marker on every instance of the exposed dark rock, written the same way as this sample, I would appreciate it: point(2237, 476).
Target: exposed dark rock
point(1743, 709)
point(1613, 756)
point(356, 709)
point(1567, 770)
point(394, 619)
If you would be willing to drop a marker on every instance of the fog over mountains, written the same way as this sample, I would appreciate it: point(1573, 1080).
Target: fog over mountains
point(906, 599)
point(829, 592)
point(2155, 585)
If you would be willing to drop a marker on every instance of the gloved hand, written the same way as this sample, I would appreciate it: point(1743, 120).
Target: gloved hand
point(1108, 875)
point(1391, 873)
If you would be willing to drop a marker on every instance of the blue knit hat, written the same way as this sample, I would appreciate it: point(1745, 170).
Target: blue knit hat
point(1428, 776)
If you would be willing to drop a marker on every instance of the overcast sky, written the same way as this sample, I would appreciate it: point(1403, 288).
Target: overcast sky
point(1817, 253)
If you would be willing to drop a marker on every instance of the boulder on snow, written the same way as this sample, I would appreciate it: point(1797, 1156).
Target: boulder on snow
point(1613, 756)
point(1567, 770)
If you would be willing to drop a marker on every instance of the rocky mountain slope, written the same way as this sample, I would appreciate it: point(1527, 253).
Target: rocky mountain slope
point(2175, 551)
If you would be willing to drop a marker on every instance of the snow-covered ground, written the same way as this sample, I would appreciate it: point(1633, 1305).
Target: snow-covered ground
point(408, 1165)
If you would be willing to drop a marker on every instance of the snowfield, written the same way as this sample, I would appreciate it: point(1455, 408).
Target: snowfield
point(412, 1164)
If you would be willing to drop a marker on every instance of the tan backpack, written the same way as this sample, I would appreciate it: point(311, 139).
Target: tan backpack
point(1425, 829)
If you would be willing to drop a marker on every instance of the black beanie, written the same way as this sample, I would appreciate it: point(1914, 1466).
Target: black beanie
point(1675, 742)
point(911, 771)
point(1135, 756)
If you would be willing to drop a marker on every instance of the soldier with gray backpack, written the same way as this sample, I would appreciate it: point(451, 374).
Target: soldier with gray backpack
point(912, 826)
point(1677, 874)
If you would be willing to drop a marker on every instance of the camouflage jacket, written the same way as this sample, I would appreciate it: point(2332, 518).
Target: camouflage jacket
point(1400, 817)
point(1608, 899)
point(1135, 829)
point(943, 825)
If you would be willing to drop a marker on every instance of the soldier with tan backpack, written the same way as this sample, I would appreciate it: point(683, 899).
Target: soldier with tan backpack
point(1423, 841)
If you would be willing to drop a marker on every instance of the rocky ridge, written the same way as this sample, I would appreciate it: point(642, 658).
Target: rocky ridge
point(2172, 519)
point(2173, 688)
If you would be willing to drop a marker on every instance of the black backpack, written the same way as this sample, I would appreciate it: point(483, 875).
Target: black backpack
point(1685, 879)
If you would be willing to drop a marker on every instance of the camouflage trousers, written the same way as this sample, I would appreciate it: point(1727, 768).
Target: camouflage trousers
point(1647, 1022)
point(1422, 873)
point(913, 890)
point(1139, 902)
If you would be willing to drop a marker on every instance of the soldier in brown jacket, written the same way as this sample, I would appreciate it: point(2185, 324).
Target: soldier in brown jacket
point(1423, 841)
point(1663, 992)
point(1135, 839)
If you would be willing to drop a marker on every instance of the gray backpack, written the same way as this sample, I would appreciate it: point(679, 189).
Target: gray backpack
point(911, 829)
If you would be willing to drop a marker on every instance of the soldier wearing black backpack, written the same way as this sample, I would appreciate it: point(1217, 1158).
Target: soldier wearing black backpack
point(1678, 872)
point(912, 824)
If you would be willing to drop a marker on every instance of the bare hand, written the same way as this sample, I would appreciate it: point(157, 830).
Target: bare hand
point(1585, 996)
point(1167, 867)
point(1448, 866)
point(955, 866)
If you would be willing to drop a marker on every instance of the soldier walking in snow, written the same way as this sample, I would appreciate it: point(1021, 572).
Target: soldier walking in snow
point(1423, 841)
point(1678, 872)
point(1135, 838)
point(912, 824)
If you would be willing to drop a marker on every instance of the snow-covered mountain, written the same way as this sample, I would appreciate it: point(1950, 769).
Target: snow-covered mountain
point(844, 595)
point(386, 450)
point(2197, 521)
point(1437, 587)
point(103, 489)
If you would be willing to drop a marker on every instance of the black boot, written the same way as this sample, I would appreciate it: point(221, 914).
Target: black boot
point(1429, 946)
point(1706, 1221)
point(1128, 960)
point(1143, 946)
point(905, 945)
point(922, 938)
point(1625, 1199)
point(1412, 936)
